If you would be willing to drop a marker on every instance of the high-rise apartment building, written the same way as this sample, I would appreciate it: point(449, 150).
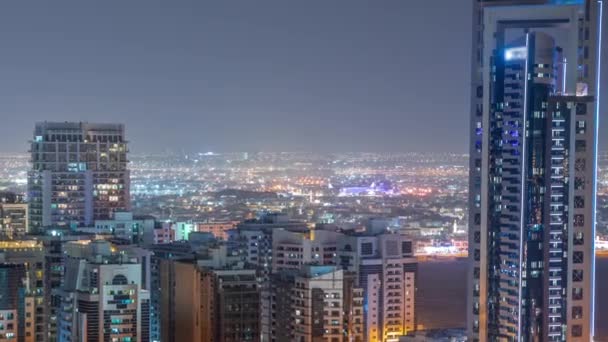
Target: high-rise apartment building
point(533, 157)
point(23, 313)
point(54, 273)
point(102, 297)
point(317, 303)
point(200, 303)
point(255, 240)
point(162, 279)
point(386, 270)
point(79, 174)
point(13, 216)
point(291, 250)
point(294, 263)
point(15, 306)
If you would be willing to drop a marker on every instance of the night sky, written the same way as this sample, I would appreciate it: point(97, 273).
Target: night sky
point(242, 75)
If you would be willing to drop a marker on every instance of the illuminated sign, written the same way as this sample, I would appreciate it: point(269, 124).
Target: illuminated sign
point(516, 53)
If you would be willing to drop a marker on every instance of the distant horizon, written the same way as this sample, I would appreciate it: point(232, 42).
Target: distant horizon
point(466, 154)
point(274, 152)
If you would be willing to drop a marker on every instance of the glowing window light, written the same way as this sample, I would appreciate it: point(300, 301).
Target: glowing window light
point(516, 53)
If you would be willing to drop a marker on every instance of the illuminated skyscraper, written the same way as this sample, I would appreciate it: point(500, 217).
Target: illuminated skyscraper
point(533, 169)
point(79, 174)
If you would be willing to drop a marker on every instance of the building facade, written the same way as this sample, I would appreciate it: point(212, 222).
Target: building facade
point(317, 303)
point(126, 226)
point(23, 311)
point(254, 238)
point(13, 220)
point(219, 229)
point(13, 215)
point(102, 298)
point(533, 157)
point(386, 270)
point(208, 304)
point(16, 305)
point(79, 174)
point(162, 278)
point(291, 250)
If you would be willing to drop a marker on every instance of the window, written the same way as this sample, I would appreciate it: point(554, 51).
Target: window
point(579, 183)
point(581, 145)
point(577, 275)
point(577, 257)
point(577, 330)
point(579, 202)
point(580, 127)
point(406, 247)
point(577, 293)
point(477, 237)
point(577, 312)
point(579, 164)
point(119, 279)
point(366, 248)
point(578, 238)
point(581, 108)
point(579, 220)
point(476, 254)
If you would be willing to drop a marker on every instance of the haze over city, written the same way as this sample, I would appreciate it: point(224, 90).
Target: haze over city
point(242, 76)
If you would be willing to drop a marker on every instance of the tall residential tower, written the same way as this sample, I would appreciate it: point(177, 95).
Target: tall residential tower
point(79, 174)
point(534, 120)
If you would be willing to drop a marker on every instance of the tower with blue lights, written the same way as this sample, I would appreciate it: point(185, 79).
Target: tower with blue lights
point(533, 156)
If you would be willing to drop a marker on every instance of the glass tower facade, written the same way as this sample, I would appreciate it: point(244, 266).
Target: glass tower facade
point(532, 170)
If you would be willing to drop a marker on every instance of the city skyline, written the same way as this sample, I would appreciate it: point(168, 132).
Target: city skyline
point(275, 171)
point(350, 82)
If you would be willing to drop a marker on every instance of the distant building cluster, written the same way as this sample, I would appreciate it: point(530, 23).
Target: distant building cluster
point(78, 265)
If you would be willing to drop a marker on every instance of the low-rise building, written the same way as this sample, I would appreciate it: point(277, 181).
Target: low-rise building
point(218, 229)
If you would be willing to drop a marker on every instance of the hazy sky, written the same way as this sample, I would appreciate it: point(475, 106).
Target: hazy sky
point(242, 75)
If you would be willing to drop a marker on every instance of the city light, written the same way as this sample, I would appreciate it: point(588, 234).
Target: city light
point(197, 172)
point(516, 53)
